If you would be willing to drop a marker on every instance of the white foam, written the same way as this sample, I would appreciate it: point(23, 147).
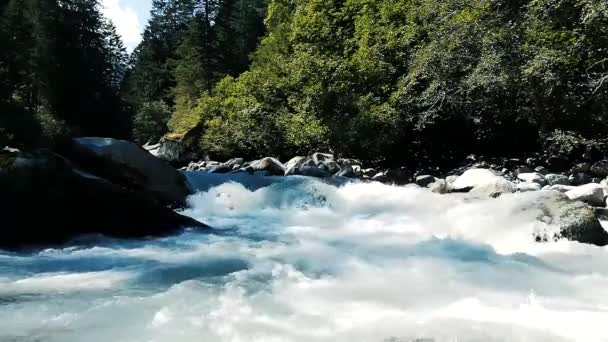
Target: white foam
point(362, 262)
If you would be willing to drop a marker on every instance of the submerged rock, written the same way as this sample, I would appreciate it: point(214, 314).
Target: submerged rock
point(532, 177)
point(528, 186)
point(47, 200)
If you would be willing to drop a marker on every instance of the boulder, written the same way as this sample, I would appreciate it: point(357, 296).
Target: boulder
point(293, 162)
point(573, 220)
point(174, 149)
point(532, 178)
point(561, 188)
point(347, 171)
point(424, 180)
point(124, 163)
point(313, 171)
point(600, 168)
point(271, 165)
point(220, 169)
point(234, 162)
point(592, 194)
point(440, 186)
point(349, 162)
point(47, 200)
point(473, 178)
point(542, 170)
point(330, 166)
point(553, 179)
point(318, 158)
point(579, 179)
point(528, 186)
point(495, 188)
point(522, 169)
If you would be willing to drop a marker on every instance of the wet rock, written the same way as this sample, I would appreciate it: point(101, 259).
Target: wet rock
point(579, 179)
point(600, 169)
point(234, 162)
point(573, 220)
point(317, 158)
point(330, 166)
point(70, 201)
point(424, 180)
point(220, 169)
point(592, 194)
point(532, 178)
point(561, 188)
point(440, 186)
point(313, 171)
point(269, 164)
point(528, 186)
point(473, 178)
point(494, 189)
point(124, 163)
point(522, 169)
point(553, 179)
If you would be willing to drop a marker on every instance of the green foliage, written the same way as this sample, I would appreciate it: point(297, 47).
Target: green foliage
point(61, 68)
point(413, 79)
point(150, 122)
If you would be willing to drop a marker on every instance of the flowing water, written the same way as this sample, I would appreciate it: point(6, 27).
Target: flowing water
point(296, 259)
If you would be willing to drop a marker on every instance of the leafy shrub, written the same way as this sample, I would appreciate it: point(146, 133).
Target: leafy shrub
point(150, 121)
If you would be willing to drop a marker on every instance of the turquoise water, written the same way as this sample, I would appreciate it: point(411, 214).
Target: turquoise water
point(296, 259)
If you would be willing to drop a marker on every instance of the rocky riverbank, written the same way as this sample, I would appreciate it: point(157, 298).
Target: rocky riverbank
point(571, 200)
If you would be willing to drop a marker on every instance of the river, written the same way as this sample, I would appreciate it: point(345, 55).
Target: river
point(297, 259)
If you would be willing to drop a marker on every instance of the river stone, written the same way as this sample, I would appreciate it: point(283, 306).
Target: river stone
point(424, 180)
point(528, 186)
point(123, 162)
point(495, 188)
point(573, 220)
point(542, 170)
point(440, 186)
point(592, 194)
point(234, 162)
point(579, 179)
point(318, 158)
point(269, 164)
point(473, 178)
point(561, 188)
point(293, 162)
point(313, 171)
point(68, 202)
point(553, 179)
point(532, 178)
point(330, 166)
point(600, 168)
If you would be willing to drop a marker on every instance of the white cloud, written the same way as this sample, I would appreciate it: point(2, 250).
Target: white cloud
point(126, 21)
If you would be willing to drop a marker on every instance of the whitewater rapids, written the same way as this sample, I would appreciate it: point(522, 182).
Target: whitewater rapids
point(297, 259)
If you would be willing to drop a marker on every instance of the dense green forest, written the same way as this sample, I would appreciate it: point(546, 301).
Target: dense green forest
point(373, 79)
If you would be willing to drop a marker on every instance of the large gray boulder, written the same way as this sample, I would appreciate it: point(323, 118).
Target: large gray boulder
point(483, 182)
point(565, 219)
point(271, 165)
point(47, 200)
point(589, 193)
point(124, 163)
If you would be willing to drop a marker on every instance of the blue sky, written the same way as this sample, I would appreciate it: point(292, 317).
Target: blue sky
point(129, 17)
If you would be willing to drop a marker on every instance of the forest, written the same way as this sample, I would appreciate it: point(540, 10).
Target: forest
point(379, 80)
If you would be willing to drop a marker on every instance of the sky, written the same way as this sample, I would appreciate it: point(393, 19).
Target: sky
point(129, 17)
